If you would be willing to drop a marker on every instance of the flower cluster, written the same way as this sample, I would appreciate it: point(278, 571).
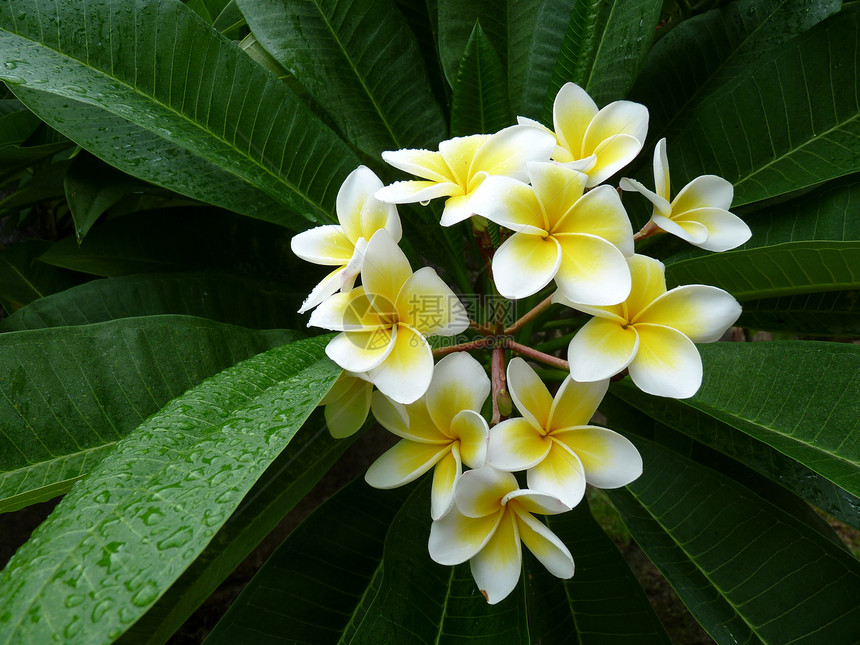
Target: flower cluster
point(557, 224)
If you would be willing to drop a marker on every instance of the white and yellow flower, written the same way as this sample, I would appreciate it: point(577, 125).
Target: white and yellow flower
point(596, 142)
point(461, 164)
point(553, 441)
point(360, 216)
point(699, 213)
point(443, 429)
point(652, 332)
point(384, 322)
point(347, 403)
point(490, 518)
point(579, 240)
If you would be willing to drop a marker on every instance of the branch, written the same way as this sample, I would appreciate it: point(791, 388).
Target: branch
point(535, 355)
point(531, 315)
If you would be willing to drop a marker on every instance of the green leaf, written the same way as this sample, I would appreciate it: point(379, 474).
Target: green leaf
point(70, 393)
point(720, 436)
point(237, 300)
point(290, 477)
point(121, 537)
point(806, 245)
point(360, 62)
point(251, 46)
point(196, 105)
point(313, 583)
point(16, 123)
point(456, 22)
point(24, 279)
point(747, 570)
point(422, 18)
point(705, 52)
point(603, 49)
point(480, 102)
point(834, 313)
point(784, 123)
point(601, 603)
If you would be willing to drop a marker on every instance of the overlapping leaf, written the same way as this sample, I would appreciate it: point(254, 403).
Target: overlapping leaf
point(70, 393)
point(125, 534)
point(832, 313)
point(480, 102)
point(194, 103)
point(24, 279)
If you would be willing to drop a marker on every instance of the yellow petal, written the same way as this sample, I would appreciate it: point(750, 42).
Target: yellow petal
point(326, 245)
point(360, 351)
point(458, 208)
point(376, 215)
point(459, 383)
point(427, 304)
point(354, 192)
point(618, 118)
point(529, 393)
point(510, 203)
point(473, 432)
point(458, 154)
point(496, 567)
point(403, 463)
point(524, 264)
point(661, 170)
point(405, 373)
point(667, 363)
point(648, 282)
point(557, 189)
point(701, 312)
point(544, 545)
point(612, 155)
point(599, 212)
point(692, 232)
point(561, 475)
point(444, 477)
point(707, 191)
point(575, 403)
point(508, 150)
point(610, 460)
point(345, 413)
point(455, 538)
point(480, 492)
point(516, 445)
point(602, 348)
point(423, 163)
point(572, 112)
point(592, 271)
point(350, 311)
point(535, 502)
point(384, 272)
point(407, 422)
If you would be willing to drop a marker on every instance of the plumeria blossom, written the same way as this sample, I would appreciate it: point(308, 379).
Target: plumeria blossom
point(596, 142)
point(490, 517)
point(442, 429)
point(652, 332)
point(347, 404)
point(699, 213)
point(360, 216)
point(580, 240)
point(462, 164)
point(553, 442)
point(384, 322)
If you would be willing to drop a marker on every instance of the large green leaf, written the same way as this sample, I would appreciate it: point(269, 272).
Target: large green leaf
point(786, 122)
point(832, 313)
point(809, 244)
point(310, 454)
point(359, 61)
point(247, 302)
point(24, 279)
point(121, 537)
point(197, 106)
point(480, 101)
point(311, 586)
point(456, 22)
point(604, 46)
point(710, 49)
point(70, 393)
point(45, 184)
point(747, 570)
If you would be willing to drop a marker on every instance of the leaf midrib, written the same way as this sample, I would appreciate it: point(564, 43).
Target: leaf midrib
point(35, 466)
point(209, 133)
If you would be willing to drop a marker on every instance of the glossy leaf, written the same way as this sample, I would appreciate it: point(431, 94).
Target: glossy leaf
point(457, 21)
point(806, 245)
point(45, 184)
point(707, 51)
point(720, 436)
point(480, 102)
point(785, 123)
point(16, 122)
point(359, 61)
point(70, 393)
point(125, 534)
point(312, 584)
point(747, 570)
point(290, 477)
point(422, 16)
point(603, 48)
point(219, 147)
point(23, 278)
point(832, 313)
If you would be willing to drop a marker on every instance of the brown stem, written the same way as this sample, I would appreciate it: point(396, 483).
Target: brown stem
point(646, 231)
point(498, 380)
point(485, 246)
point(487, 330)
point(530, 315)
point(463, 347)
point(537, 356)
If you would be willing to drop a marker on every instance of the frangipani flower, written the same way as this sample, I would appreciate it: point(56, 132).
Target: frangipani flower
point(384, 322)
point(699, 213)
point(553, 441)
point(461, 164)
point(596, 142)
point(652, 332)
point(347, 404)
point(579, 240)
point(489, 519)
point(360, 216)
point(444, 428)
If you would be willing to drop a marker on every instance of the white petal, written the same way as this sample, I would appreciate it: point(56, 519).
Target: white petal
point(459, 383)
point(610, 460)
point(561, 475)
point(510, 203)
point(524, 120)
point(457, 209)
point(376, 215)
point(620, 117)
point(725, 230)
point(480, 492)
point(384, 271)
point(661, 204)
point(423, 163)
point(327, 287)
point(516, 445)
point(404, 462)
point(667, 363)
point(707, 191)
point(529, 393)
point(691, 232)
point(507, 151)
point(648, 278)
point(612, 155)
point(572, 112)
point(600, 212)
point(445, 475)
point(592, 270)
point(354, 192)
point(536, 502)
point(426, 303)
point(575, 403)
point(409, 192)
point(496, 568)
point(524, 264)
point(405, 373)
point(661, 173)
point(327, 245)
point(394, 417)
point(474, 434)
point(360, 351)
point(602, 348)
point(455, 538)
point(345, 415)
point(701, 312)
point(545, 545)
point(350, 311)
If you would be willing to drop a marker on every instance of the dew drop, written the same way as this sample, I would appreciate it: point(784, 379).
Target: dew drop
point(146, 595)
point(10, 64)
point(176, 539)
point(72, 628)
point(73, 600)
point(426, 202)
point(101, 609)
